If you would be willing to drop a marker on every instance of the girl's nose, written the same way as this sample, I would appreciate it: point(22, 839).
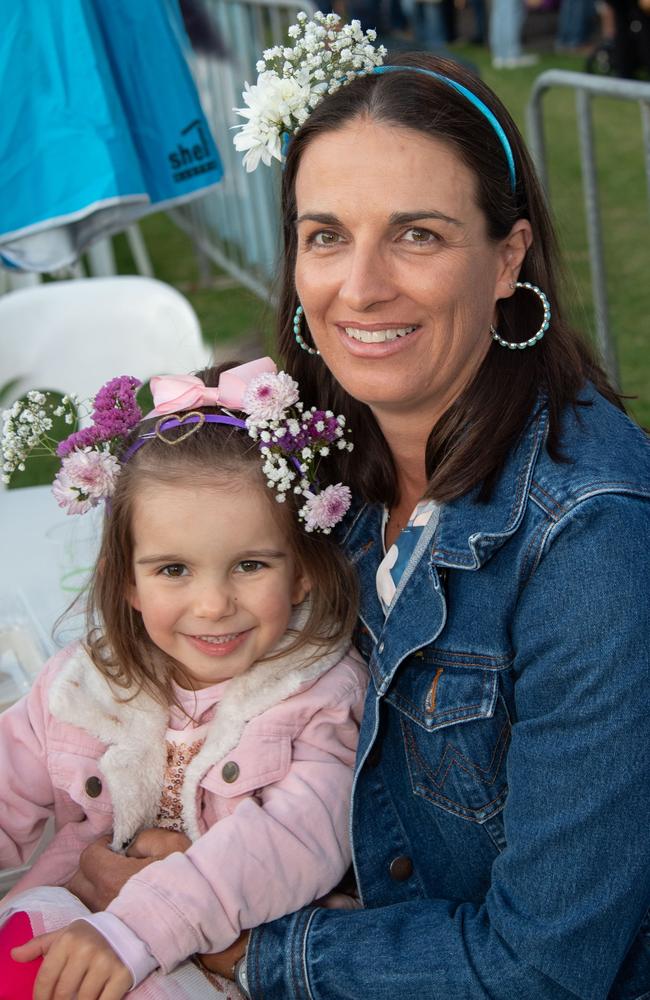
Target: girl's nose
point(214, 602)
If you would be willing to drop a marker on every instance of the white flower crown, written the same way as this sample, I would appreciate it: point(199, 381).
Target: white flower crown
point(293, 80)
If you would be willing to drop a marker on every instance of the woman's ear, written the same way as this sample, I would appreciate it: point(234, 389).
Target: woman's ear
point(512, 251)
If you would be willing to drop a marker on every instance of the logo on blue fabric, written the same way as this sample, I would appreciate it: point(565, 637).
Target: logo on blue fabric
point(192, 154)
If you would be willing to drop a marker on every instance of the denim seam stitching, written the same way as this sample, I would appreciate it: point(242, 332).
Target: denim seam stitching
point(416, 711)
point(457, 808)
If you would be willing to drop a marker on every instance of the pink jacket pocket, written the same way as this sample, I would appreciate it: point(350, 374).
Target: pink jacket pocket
point(249, 767)
point(79, 777)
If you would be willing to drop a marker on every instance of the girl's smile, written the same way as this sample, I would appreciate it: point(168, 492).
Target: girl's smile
point(215, 579)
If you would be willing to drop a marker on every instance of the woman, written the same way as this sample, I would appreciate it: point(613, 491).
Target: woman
point(501, 805)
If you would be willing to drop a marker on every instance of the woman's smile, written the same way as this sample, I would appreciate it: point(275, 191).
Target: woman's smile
point(394, 269)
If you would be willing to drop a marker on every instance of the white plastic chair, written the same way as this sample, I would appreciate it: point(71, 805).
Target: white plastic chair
point(75, 335)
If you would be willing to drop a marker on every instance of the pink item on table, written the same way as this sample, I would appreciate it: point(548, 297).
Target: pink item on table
point(16, 978)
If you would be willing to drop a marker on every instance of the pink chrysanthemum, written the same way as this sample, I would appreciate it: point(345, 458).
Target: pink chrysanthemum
point(322, 511)
point(269, 395)
point(85, 478)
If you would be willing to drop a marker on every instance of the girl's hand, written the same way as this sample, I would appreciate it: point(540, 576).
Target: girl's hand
point(79, 965)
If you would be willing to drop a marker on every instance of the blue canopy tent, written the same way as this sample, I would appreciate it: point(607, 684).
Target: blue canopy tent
point(101, 124)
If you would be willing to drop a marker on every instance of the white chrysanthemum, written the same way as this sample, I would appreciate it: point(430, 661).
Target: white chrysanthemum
point(294, 78)
point(85, 478)
point(269, 395)
point(322, 511)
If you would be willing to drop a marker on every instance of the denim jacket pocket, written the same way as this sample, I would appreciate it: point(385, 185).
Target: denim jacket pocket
point(456, 732)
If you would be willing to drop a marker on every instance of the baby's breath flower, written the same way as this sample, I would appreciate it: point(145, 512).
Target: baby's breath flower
point(294, 78)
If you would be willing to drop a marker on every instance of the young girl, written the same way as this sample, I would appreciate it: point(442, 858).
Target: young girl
point(215, 694)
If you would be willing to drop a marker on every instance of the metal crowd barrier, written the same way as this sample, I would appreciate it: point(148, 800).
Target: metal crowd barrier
point(238, 225)
point(586, 87)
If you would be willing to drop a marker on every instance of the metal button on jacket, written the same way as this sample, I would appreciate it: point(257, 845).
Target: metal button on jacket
point(401, 868)
point(230, 771)
point(93, 786)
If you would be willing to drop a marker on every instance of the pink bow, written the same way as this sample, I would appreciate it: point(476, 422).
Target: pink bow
point(176, 393)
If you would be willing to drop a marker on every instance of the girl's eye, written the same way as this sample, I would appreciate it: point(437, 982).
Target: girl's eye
point(421, 236)
point(250, 566)
point(174, 570)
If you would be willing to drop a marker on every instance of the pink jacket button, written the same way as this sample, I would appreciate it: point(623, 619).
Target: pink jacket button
point(230, 772)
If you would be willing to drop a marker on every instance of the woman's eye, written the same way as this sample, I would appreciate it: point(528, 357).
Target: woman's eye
point(423, 236)
point(174, 570)
point(324, 238)
point(250, 565)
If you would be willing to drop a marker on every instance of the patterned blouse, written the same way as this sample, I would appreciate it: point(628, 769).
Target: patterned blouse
point(185, 735)
point(404, 554)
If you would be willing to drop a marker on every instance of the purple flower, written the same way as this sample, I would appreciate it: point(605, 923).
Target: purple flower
point(85, 478)
point(322, 511)
point(85, 438)
point(115, 410)
point(269, 395)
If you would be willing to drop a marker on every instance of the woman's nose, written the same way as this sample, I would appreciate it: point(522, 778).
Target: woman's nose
point(368, 280)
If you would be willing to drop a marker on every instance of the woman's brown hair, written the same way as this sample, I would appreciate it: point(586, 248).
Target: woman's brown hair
point(470, 443)
point(117, 640)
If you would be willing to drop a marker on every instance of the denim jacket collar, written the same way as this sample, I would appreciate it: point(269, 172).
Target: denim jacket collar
point(467, 534)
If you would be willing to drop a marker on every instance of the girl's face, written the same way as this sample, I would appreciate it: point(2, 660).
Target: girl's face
point(394, 268)
point(214, 576)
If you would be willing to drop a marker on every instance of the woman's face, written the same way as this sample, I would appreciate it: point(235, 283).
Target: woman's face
point(394, 268)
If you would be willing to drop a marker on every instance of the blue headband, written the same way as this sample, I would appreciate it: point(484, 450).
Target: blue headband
point(473, 99)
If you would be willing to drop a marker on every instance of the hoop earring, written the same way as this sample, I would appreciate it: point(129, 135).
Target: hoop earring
point(543, 328)
point(300, 340)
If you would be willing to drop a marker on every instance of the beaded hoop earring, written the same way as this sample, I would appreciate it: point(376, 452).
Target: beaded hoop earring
point(543, 328)
point(300, 340)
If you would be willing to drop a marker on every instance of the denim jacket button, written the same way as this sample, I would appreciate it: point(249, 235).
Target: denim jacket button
point(93, 787)
point(401, 868)
point(380, 647)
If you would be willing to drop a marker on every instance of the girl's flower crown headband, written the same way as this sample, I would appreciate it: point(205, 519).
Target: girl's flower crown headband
point(291, 439)
point(322, 56)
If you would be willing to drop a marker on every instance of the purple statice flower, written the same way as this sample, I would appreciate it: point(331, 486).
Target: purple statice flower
point(269, 395)
point(115, 410)
point(85, 438)
point(325, 509)
point(323, 427)
point(85, 478)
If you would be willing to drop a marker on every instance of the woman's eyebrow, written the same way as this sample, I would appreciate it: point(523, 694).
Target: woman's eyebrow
point(396, 219)
point(325, 218)
point(402, 218)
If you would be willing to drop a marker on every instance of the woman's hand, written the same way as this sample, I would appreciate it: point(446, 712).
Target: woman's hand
point(223, 962)
point(102, 872)
point(79, 963)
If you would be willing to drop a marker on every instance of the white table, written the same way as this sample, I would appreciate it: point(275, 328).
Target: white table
point(45, 557)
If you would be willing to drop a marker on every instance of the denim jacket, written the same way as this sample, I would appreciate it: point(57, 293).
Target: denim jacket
point(501, 804)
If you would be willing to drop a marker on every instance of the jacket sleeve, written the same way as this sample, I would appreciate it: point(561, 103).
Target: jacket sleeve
point(272, 855)
point(27, 795)
point(570, 890)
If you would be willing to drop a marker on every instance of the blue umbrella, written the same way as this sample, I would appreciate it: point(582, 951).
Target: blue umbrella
point(101, 123)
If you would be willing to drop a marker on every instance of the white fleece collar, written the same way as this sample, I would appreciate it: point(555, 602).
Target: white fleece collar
point(134, 725)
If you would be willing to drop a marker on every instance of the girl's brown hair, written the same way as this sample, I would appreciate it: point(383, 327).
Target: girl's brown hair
point(117, 640)
point(469, 444)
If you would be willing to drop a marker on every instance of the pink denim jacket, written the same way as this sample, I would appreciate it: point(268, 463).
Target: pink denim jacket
point(265, 801)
